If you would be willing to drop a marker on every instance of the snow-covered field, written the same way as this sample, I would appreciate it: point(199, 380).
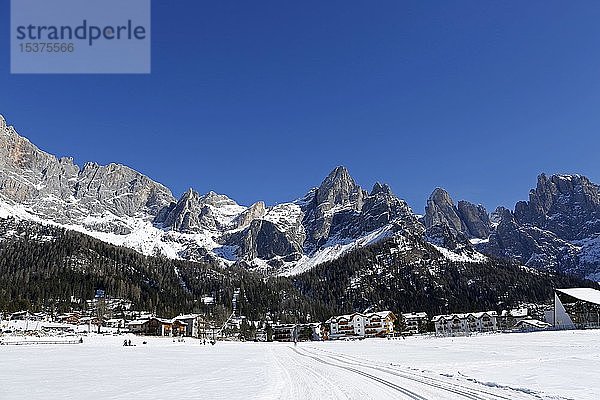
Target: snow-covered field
point(545, 365)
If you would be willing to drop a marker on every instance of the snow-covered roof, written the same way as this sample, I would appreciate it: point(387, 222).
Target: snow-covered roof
point(187, 316)
point(138, 322)
point(519, 312)
point(534, 323)
point(382, 314)
point(414, 315)
point(349, 317)
point(464, 316)
point(583, 294)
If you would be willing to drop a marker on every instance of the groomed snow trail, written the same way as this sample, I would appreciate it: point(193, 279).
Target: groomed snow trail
point(550, 366)
point(313, 373)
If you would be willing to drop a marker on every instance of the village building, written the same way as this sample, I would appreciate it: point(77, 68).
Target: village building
point(118, 323)
point(529, 325)
point(138, 327)
point(509, 318)
point(70, 318)
point(193, 324)
point(284, 332)
point(83, 320)
point(379, 324)
point(465, 324)
point(157, 327)
point(260, 335)
point(298, 332)
point(414, 323)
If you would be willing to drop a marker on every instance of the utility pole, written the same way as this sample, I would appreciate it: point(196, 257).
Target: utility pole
point(100, 308)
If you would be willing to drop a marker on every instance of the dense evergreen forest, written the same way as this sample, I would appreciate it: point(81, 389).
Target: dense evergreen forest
point(389, 275)
point(44, 267)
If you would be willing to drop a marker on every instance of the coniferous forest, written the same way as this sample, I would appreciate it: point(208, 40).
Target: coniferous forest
point(45, 267)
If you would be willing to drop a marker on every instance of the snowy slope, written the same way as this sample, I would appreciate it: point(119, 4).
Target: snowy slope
point(332, 250)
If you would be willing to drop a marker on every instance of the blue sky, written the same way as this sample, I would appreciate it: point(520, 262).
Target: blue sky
point(260, 100)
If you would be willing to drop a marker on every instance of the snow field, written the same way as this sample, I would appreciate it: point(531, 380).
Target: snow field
point(544, 365)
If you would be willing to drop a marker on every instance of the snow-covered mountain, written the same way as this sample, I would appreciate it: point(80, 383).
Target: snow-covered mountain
point(119, 205)
point(558, 228)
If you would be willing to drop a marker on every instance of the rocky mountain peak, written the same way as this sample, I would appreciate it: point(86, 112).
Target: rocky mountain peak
point(567, 205)
point(467, 220)
point(475, 218)
point(440, 210)
point(379, 188)
point(555, 229)
point(184, 216)
point(558, 227)
point(195, 213)
point(217, 200)
point(33, 177)
point(255, 211)
point(339, 188)
point(338, 192)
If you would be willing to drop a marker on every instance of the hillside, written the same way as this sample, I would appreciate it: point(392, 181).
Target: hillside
point(413, 275)
point(43, 266)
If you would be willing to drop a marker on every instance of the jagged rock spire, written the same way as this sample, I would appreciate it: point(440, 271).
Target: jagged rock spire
point(379, 188)
point(467, 219)
point(339, 188)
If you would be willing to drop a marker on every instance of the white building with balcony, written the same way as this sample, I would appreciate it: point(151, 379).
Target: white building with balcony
point(465, 324)
point(414, 323)
point(379, 324)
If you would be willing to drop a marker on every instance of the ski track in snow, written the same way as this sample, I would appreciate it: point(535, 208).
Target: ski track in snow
point(386, 382)
point(445, 386)
point(489, 367)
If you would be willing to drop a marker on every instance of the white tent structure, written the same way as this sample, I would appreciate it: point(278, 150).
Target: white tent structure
point(576, 308)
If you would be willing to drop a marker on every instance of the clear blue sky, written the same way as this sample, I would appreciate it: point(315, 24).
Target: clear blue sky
point(260, 100)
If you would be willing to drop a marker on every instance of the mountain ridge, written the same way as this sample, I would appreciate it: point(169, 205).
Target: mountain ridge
point(558, 228)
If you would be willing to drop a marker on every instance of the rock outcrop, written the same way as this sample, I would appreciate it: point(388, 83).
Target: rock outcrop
point(475, 218)
point(59, 190)
point(449, 225)
point(567, 205)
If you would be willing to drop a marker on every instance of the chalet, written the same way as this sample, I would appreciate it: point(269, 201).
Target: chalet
point(84, 321)
point(115, 323)
point(414, 323)
point(193, 322)
point(509, 318)
point(70, 318)
point(284, 332)
point(139, 326)
point(465, 324)
point(157, 327)
point(379, 324)
point(300, 332)
point(261, 335)
point(530, 325)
